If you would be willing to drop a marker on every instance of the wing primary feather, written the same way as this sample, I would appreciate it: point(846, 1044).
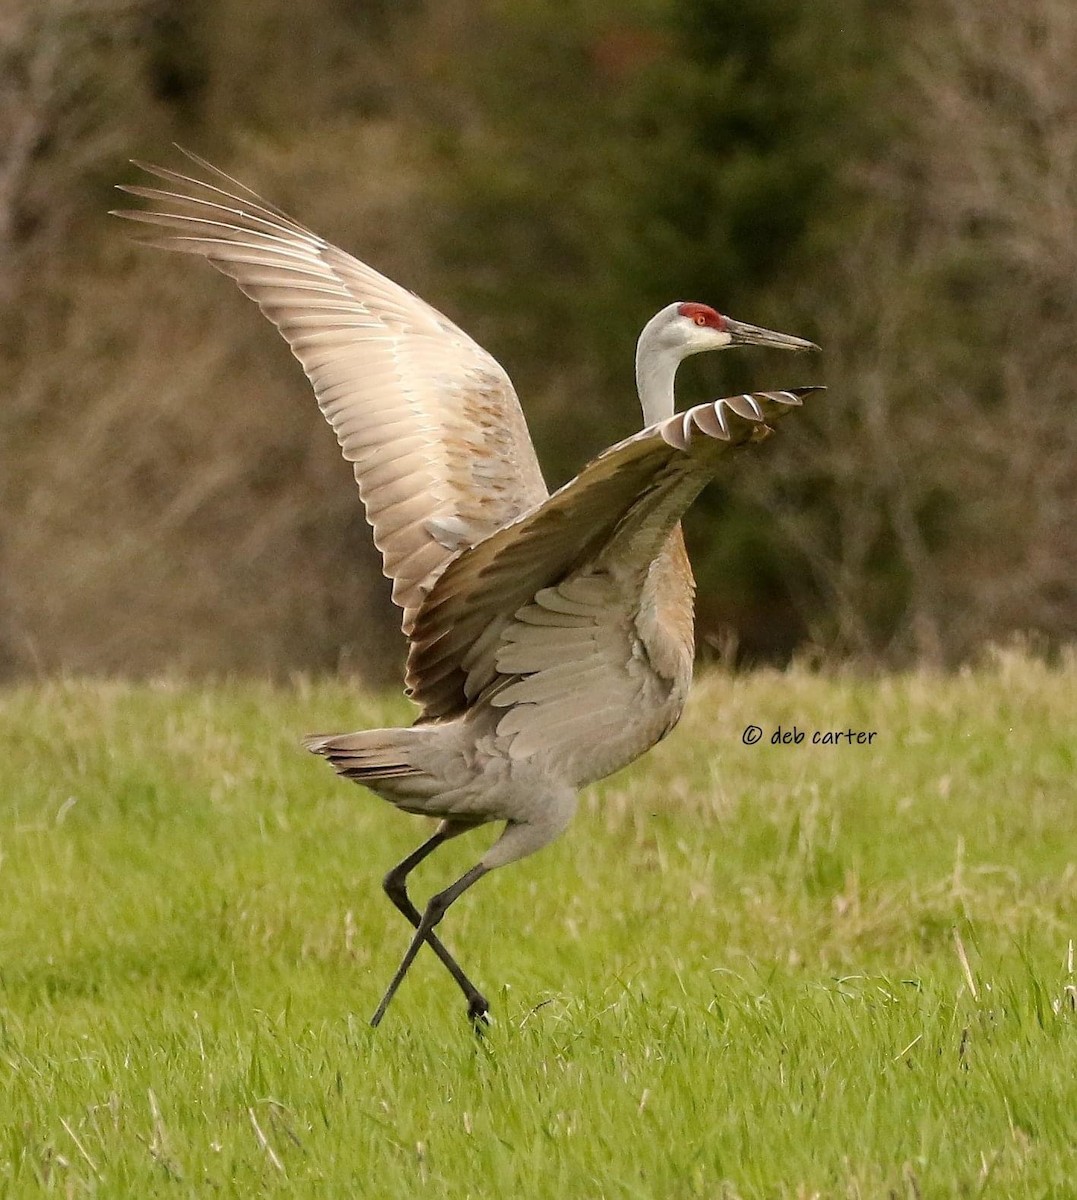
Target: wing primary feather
point(405, 389)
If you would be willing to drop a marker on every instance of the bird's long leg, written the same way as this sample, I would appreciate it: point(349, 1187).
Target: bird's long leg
point(395, 885)
point(435, 910)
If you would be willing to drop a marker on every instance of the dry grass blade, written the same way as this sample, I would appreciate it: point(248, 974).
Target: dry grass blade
point(80, 1147)
point(966, 969)
point(264, 1142)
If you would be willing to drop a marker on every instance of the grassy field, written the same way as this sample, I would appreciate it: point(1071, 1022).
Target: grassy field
point(746, 971)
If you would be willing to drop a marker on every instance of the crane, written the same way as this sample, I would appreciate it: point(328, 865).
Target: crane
point(550, 636)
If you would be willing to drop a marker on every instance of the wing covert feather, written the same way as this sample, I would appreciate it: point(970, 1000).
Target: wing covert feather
point(559, 556)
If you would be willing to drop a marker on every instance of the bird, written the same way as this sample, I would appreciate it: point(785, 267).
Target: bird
point(550, 636)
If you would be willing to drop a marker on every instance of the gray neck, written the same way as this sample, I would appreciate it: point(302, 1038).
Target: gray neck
point(654, 381)
point(656, 368)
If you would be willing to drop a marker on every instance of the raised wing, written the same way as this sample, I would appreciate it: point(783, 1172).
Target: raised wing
point(609, 523)
point(429, 420)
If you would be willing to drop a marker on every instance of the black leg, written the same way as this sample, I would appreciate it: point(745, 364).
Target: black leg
point(435, 910)
point(396, 889)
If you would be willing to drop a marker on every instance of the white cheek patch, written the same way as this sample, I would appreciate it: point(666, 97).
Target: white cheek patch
point(706, 337)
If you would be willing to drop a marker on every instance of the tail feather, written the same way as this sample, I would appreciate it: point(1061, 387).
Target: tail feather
point(369, 755)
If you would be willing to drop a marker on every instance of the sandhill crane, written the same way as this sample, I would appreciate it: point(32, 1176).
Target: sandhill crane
point(551, 636)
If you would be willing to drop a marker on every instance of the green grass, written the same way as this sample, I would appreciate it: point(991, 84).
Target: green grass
point(737, 974)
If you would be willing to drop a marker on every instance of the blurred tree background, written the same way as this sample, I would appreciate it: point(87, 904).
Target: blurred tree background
point(898, 182)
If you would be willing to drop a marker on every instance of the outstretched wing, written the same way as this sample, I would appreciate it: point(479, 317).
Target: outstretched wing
point(553, 568)
point(429, 420)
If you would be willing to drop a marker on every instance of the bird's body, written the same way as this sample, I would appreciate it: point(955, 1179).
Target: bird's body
point(522, 752)
point(551, 637)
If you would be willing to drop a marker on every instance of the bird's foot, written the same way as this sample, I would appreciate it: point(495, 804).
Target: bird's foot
point(478, 1013)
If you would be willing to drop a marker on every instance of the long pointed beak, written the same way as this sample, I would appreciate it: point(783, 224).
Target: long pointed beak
point(752, 335)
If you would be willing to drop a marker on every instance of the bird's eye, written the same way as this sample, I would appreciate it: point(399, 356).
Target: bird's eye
point(701, 320)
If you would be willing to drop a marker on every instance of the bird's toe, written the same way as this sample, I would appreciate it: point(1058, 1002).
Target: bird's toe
point(478, 1012)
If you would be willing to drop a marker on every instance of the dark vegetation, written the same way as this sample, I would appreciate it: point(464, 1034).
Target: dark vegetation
point(897, 182)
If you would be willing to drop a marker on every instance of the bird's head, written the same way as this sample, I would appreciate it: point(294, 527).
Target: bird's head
point(693, 328)
point(682, 329)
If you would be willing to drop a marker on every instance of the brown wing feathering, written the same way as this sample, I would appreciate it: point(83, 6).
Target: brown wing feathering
point(429, 419)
